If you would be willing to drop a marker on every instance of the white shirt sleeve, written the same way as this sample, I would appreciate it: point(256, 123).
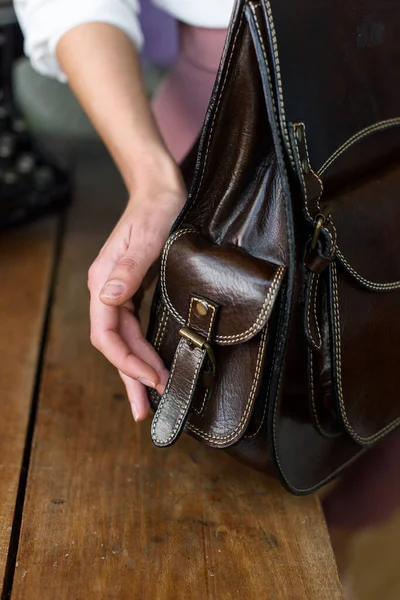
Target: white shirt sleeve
point(44, 22)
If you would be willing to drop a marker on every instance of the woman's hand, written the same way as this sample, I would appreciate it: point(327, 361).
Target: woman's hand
point(116, 275)
point(103, 70)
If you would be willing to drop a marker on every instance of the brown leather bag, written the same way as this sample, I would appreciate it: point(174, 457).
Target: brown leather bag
point(278, 304)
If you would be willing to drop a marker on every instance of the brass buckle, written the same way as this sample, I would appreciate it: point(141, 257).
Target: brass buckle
point(195, 340)
point(320, 221)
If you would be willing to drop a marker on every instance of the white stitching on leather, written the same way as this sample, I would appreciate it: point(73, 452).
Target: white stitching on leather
point(253, 435)
point(309, 162)
point(217, 107)
point(370, 284)
point(395, 285)
point(219, 338)
point(160, 324)
point(274, 431)
point(355, 138)
point(338, 359)
point(262, 314)
point(198, 411)
point(272, 97)
point(281, 375)
point(313, 290)
point(278, 73)
point(313, 404)
point(342, 466)
point(190, 313)
point(164, 257)
point(163, 330)
point(315, 309)
point(164, 327)
point(222, 440)
point(165, 397)
point(296, 146)
point(155, 339)
point(303, 181)
point(319, 483)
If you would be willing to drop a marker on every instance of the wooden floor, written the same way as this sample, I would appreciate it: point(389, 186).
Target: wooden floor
point(89, 509)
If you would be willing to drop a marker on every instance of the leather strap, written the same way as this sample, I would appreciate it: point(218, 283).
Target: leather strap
point(192, 353)
point(175, 403)
point(311, 324)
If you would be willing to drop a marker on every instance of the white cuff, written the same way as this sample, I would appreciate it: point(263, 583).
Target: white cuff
point(44, 22)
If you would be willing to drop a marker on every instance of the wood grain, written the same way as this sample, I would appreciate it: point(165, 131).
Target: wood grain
point(26, 257)
point(107, 515)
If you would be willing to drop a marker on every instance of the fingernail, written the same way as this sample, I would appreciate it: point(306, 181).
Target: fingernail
point(147, 382)
point(112, 289)
point(135, 413)
point(160, 388)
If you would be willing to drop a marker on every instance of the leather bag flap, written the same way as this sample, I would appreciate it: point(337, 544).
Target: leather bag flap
point(335, 67)
point(366, 216)
point(365, 297)
point(244, 288)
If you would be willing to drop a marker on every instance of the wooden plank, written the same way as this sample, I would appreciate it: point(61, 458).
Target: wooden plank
point(26, 257)
point(108, 516)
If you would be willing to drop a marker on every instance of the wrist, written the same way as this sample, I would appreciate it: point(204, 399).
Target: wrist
point(153, 170)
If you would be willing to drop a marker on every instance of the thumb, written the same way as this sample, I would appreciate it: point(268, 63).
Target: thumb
point(125, 279)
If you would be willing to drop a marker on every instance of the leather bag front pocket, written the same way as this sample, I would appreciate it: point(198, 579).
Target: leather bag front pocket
point(226, 297)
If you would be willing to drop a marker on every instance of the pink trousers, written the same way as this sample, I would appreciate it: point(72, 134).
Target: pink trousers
point(181, 102)
point(369, 492)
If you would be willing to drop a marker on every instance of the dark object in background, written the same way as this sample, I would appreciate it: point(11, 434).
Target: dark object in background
point(31, 182)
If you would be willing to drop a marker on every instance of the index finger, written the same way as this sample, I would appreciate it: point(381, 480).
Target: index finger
point(105, 336)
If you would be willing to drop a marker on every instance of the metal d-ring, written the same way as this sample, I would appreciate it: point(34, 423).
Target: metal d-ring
point(193, 339)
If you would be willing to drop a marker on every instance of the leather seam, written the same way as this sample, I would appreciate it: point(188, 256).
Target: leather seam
point(259, 428)
point(357, 137)
point(318, 424)
point(338, 352)
point(312, 391)
point(366, 282)
point(162, 325)
point(200, 410)
point(317, 276)
point(228, 67)
point(278, 73)
point(313, 291)
point(267, 68)
point(163, 330)
point(165, 397)
point(219, 338)
point(157, 333)
point(163, 317)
